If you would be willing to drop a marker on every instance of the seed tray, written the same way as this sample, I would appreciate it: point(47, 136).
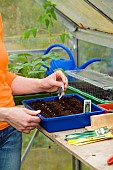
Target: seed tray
point(108, 107)
point(93, 83)
point(86, 95)
point(105, 95)
point(19, 98)
point(54, 124)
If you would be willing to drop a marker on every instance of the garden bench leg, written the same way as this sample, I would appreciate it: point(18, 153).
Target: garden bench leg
point(76, 164)
point(29, 145)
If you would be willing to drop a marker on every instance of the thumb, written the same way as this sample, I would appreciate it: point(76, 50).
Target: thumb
point(33, 113)
point(57, 84)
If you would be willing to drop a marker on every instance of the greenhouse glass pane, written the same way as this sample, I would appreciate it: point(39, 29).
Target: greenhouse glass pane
point(19, 16)
point(88, 51)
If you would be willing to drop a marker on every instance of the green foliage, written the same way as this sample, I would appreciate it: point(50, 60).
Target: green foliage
point(29, 31)
point(46, 23)
point(29, 65)
point(49, 14)
point(63, 36)
point(45, 20)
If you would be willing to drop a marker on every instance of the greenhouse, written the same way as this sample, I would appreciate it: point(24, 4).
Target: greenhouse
point(47, 43)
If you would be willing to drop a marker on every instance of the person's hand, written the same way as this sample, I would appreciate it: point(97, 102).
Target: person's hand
point(54, 81)
point(24, 120)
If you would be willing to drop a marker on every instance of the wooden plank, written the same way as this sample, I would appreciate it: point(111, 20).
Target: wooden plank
point(93, 155)
point(98, 121)
point(84, 15)
point(106, 6)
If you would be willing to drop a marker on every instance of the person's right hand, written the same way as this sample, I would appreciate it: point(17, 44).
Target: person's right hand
point(24, 120)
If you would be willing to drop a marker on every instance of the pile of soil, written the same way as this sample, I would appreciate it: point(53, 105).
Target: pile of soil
point(93, 90)
point(64, 106)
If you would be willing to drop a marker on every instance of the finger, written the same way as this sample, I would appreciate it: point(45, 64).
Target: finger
point(65, 84)
point(32, 124)
point(30, 128)
point(34, 119)
point(59, 84)
point(60, 76)
point(26, 131)
point(32, 112)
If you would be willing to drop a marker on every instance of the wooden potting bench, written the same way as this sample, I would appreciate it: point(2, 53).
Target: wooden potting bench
point(93, 155)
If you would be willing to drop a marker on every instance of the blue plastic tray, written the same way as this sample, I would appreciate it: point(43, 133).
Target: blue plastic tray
point(65, 122)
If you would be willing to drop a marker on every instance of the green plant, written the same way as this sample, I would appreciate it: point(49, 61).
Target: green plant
point(46, 23)
point(29, 65)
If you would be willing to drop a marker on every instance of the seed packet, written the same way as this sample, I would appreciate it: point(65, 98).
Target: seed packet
point(91, 136)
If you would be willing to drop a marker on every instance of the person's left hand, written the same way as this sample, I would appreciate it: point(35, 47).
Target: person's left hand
point(54, 81)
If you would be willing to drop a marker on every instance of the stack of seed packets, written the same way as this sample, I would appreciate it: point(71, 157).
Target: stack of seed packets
point(91, 136)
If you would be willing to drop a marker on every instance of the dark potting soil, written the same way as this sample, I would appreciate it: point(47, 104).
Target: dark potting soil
point(64, 106)
point(93, 90)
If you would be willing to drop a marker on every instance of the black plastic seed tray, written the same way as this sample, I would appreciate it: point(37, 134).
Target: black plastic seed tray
point(92, 83)
point(95, 91)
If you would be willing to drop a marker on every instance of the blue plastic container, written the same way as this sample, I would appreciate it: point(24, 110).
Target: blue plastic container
point(66, 64)
point(65, 122)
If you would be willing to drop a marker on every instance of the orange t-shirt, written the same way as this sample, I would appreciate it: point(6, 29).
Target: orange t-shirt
point(6, 78)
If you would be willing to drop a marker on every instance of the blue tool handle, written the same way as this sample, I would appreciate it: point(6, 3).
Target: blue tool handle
point(83, 66)
point(62, 46)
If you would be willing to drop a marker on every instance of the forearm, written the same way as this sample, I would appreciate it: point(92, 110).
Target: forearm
point(22, 85)
point(3, 114)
